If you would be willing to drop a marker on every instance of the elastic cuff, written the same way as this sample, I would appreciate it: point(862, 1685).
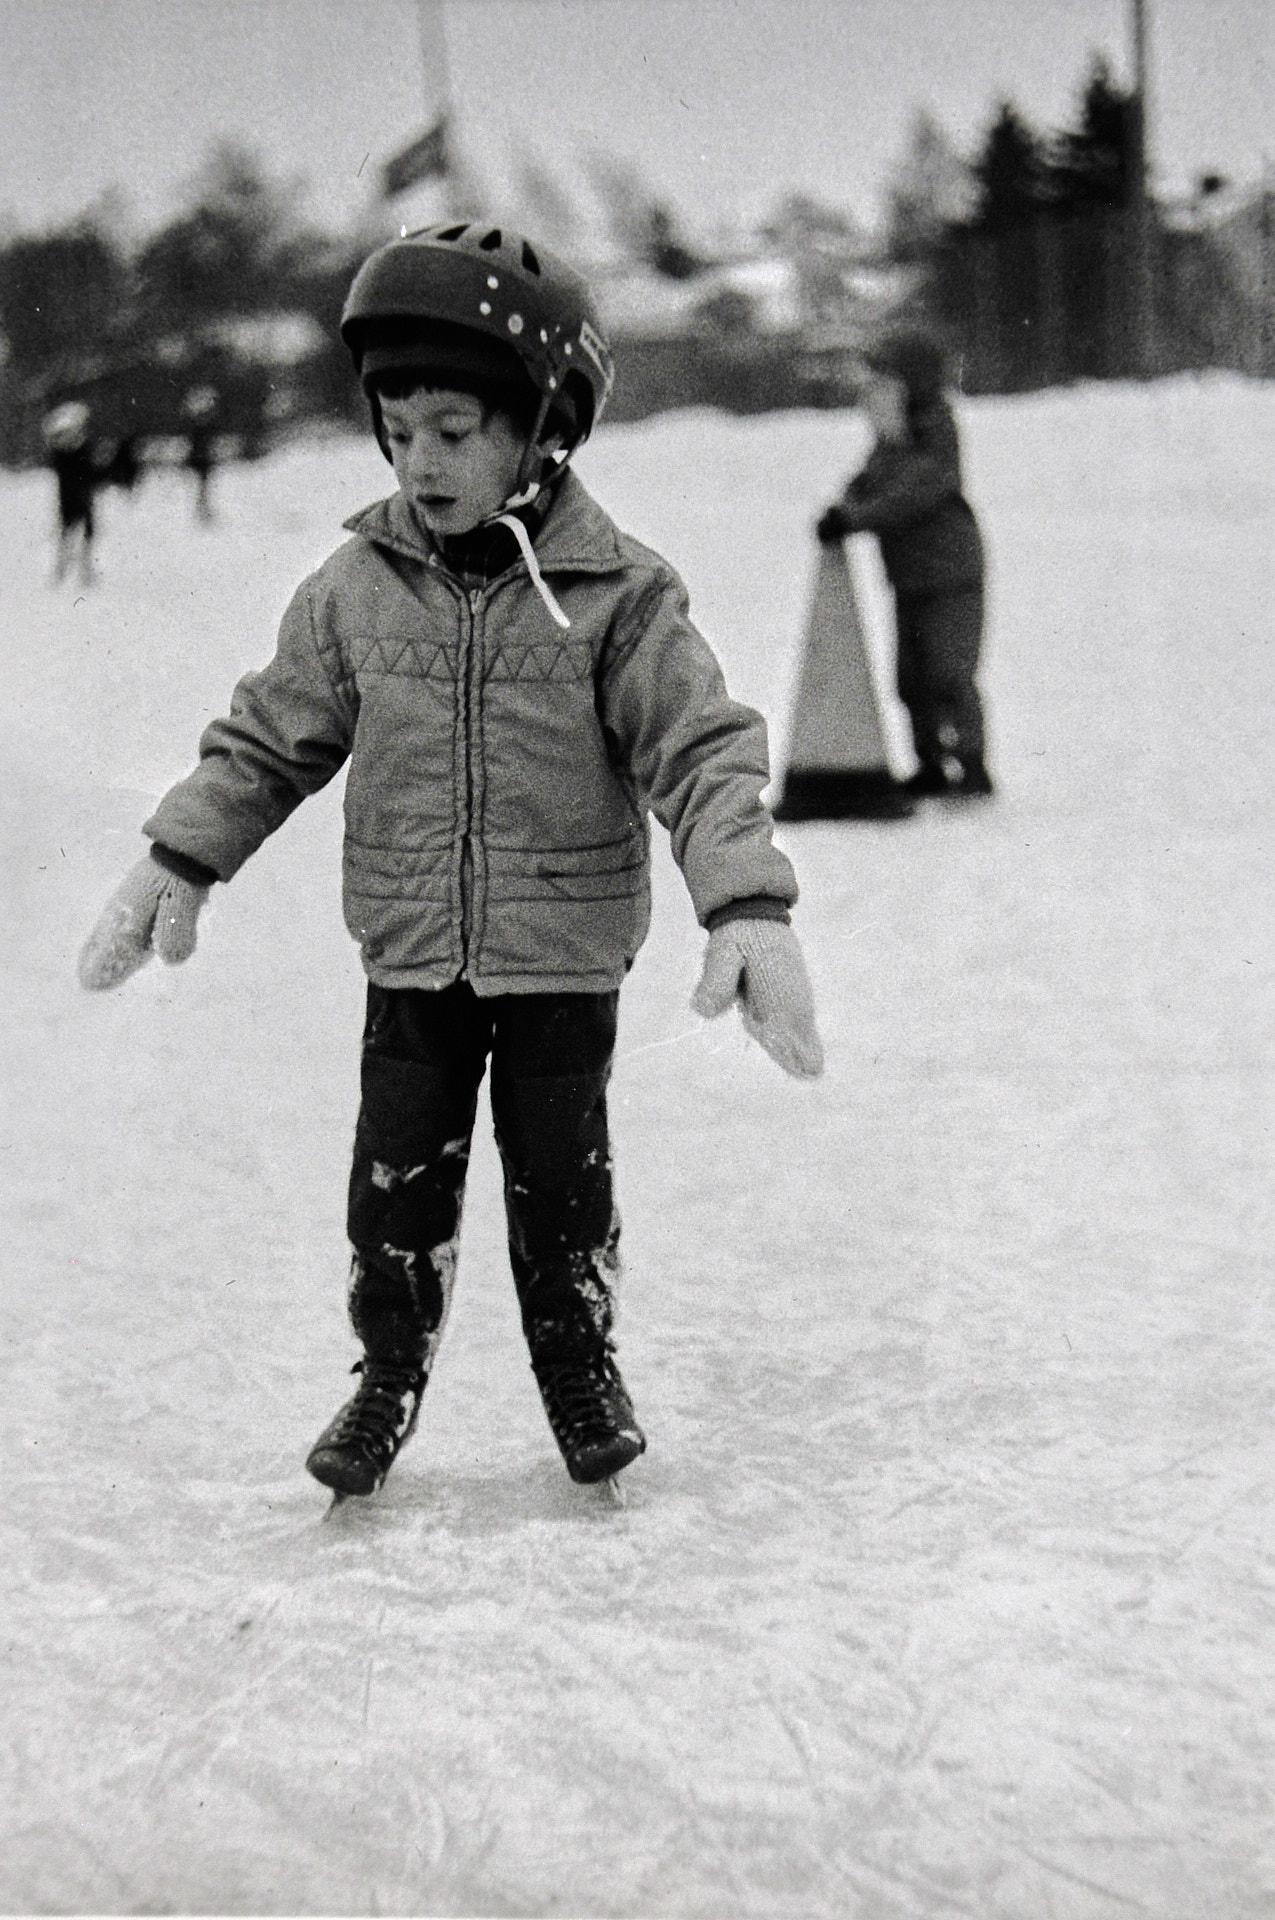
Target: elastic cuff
point(758, 906)
point(183, 866)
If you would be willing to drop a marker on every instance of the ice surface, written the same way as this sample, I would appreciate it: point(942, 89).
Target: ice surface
point(946, 1586)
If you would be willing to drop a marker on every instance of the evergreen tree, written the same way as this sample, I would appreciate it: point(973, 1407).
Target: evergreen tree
point(239, 250)
point(64, 295)
point(1092, 165)
point(1012, 173)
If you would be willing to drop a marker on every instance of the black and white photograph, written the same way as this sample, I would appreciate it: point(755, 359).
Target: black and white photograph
point(658, 1305)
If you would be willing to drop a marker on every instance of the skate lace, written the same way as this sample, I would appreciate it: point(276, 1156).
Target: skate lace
point(383, 1410)
point(582, 1398)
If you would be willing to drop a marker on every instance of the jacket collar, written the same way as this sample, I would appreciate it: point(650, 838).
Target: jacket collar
point(577, 535)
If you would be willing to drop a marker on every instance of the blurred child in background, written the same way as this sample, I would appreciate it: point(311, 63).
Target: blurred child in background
point(66, 435)
point(200, 408)
point(909, 494)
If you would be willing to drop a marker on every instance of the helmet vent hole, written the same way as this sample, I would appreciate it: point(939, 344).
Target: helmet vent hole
point(490, 241)
point(453, 233)
point(529, 260)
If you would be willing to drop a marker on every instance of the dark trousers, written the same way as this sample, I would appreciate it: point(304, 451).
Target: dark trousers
point(940, 638)
point(424, 1056)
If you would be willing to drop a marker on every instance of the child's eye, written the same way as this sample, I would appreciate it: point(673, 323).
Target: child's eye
point(453, 436)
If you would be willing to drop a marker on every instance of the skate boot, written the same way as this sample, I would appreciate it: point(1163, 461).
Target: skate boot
point(952, 778)
point(589, 1410)
point(927, 782)
point(968, 778)
point(354, 1453)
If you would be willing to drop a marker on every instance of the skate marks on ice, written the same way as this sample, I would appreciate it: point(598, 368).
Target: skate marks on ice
point(609, 1493)
point(946, 1587)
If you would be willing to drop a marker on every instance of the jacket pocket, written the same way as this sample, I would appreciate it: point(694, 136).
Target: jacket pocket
point(611, 870)
point(399, 904)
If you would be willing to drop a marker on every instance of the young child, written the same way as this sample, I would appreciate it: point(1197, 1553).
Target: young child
point(515, 683)
point(66, 435)
point(909, 495)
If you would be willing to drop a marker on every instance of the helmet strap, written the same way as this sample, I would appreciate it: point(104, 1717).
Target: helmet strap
point(531, 469)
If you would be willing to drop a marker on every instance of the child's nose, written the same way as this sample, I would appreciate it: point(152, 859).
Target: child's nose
point(420, 458)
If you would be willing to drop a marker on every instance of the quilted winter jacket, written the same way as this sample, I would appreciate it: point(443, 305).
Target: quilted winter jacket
point(501, 769)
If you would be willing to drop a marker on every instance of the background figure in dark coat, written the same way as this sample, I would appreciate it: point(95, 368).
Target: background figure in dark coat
point(909, 494)
point(200, 406)
point(66, 435)
point(125, 467)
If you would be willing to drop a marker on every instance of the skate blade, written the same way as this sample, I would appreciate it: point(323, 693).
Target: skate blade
point(337, 1500)
point(613, 1494)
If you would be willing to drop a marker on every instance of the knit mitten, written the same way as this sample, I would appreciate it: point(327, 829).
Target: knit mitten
point(151, 911)
point(759, 963)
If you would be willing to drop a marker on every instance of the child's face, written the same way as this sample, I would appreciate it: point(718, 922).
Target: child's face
point(455, 462)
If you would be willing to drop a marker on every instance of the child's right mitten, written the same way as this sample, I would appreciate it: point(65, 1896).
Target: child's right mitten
point(151, 911)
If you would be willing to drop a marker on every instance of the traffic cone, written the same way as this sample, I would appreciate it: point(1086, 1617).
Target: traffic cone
point(838, 767)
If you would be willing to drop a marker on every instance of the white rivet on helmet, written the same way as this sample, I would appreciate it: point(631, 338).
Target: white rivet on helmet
point(484, 306)
point(492, 281)
point(514, 323)
point(544, 336)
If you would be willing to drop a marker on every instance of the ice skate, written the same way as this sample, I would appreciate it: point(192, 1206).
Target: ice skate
point(591, 1415)
point(968, 780)
point(927, 782)
point(952, 778)
point(355, 1452)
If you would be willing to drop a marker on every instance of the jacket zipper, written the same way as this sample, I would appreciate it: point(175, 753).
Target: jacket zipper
point(472, 601)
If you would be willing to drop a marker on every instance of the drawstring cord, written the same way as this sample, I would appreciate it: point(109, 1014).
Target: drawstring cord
point(523, 538)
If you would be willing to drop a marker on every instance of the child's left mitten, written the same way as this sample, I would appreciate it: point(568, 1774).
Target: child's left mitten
point(760, 964)
point(151, 911)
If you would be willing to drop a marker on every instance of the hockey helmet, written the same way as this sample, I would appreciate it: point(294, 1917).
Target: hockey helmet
point(485, 302)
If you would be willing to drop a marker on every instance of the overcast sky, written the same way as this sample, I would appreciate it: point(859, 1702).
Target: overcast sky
point(724, 103)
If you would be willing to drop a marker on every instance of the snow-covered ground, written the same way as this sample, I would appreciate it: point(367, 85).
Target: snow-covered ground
point(946, 1586)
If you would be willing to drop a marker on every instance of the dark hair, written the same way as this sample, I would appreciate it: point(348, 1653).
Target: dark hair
point(493, 396)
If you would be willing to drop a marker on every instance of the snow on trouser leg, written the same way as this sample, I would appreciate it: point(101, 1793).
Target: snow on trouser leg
point(568, 1310)
point(550, 1068)
point(398, 1305)
point(407, 1184)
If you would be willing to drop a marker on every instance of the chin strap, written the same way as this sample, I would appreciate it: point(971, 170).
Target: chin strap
point(523, 497)
point(520, 534)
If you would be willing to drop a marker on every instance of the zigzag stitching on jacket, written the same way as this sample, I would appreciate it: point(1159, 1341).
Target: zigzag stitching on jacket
point(425, 656)
point(516, 662)
point(339, 682)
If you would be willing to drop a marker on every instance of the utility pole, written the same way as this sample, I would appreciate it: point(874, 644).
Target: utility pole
point(431, 28)
point(1141, 314)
